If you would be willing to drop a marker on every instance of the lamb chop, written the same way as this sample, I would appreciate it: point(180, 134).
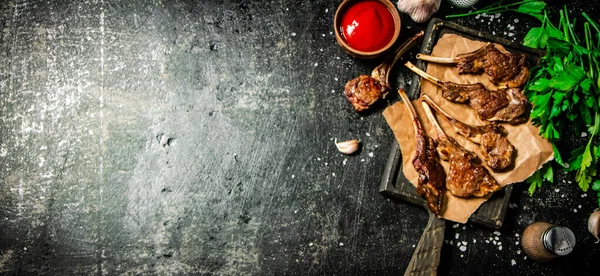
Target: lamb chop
point(503, 105)
point(430, 185)
point(465, 178)
point(497, 151)
point(364, 90)
point(508, 69)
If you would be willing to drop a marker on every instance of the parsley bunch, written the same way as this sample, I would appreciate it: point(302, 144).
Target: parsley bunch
point(563, 89)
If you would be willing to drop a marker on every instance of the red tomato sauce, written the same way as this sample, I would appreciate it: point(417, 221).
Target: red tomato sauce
point(367, 26)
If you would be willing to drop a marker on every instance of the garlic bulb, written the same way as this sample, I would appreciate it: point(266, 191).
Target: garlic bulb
point(594, 224)
point(419, 10)
point(347, 147)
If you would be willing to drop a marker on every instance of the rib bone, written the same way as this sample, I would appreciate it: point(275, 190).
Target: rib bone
point(431, 180)
point(364, 90)
point(465, 177)
point(503, 105)
point(503, 69)
point(497, 151)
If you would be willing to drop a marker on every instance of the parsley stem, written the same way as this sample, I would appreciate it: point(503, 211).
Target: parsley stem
point(494, 8)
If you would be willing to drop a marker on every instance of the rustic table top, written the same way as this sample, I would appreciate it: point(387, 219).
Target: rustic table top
point(197, 137)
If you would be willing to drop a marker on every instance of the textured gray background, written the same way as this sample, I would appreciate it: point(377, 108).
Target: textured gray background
point(197, 137)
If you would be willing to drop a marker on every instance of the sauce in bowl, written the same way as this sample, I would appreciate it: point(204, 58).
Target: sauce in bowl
point(367, 26)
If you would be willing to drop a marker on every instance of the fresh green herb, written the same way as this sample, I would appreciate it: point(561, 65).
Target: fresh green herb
point(530, 7)
point(564, 92)
point(563, 89)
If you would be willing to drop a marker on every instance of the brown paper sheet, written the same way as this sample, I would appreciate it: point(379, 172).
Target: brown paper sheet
point(532, 151)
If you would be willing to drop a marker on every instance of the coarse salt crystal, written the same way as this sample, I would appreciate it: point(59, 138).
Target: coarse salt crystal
point(513, 262)
point(463, 248)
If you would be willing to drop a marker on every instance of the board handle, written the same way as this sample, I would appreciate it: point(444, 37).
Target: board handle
point(426, 258)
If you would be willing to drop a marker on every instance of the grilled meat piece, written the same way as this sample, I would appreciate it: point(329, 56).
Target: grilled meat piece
point(508, 69)
point(497, 151)
point(364, 90)
point(502, 105)
point(466, 178)
point(431, 181)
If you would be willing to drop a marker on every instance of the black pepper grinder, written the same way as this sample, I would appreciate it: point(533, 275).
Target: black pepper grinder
point(543, 241)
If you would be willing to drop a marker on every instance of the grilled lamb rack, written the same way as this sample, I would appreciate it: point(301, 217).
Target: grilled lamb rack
point(431, 181)
point(503, 105)
point(508, 69)
point(364, 90)
point(465, 178)
point(497, 151)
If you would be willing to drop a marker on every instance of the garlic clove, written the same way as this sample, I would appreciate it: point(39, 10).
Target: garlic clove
point(347, 147)
point(594, 224)
point(419, 10)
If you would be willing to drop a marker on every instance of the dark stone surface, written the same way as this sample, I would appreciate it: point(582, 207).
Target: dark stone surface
point(197, 137)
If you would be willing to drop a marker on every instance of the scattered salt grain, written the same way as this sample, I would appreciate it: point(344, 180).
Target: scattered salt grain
point(455, 226)
point(368, 134)
point(362, 160)
point(583, 134)
point(293, 34)
point(293, 176)
point(497, 233)
point(574, 210)
point(579, 206)
point(516, 20)
point(518, 252)
point(500, 247)
point(341, 244)
point(513, 262)
point(316, 64)
point(456, 236)
point(345, 161)
point(556, 190)
point(463, 248)
point(310, 244)
point(370, 154)
point(583, 195)
point(333, 174)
